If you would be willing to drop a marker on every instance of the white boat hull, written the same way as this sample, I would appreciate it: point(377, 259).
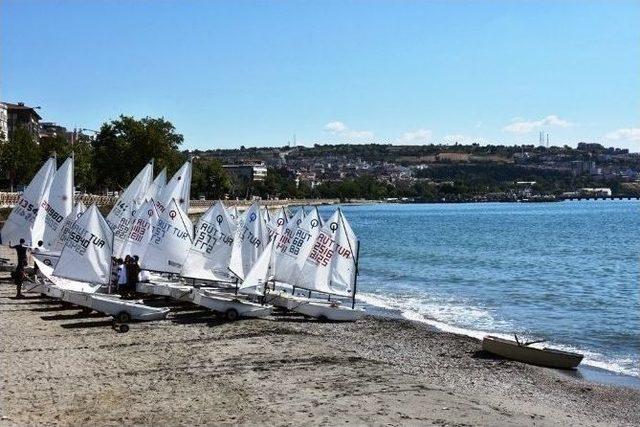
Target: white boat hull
point(182, 292)
point(113, 306)
point(329, 311)
point(153, 288)
point(225, 304)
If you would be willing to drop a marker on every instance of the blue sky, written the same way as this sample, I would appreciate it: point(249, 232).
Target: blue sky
point(254, 73)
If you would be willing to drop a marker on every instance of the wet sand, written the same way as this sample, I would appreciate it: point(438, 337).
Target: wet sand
point(62, 368)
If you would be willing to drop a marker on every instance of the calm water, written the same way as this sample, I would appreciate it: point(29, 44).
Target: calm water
point(567, 272)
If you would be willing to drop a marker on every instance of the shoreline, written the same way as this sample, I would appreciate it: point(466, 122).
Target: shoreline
point(63, 368)
point(586, 371)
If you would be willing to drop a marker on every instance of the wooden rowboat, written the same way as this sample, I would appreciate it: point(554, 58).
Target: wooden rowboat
point(516, 350)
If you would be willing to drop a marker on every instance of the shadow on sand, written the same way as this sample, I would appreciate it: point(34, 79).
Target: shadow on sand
point(93, 324)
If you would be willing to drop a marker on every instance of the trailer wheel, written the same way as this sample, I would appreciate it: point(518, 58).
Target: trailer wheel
point(86, 311)
point(123, 317)
point(124, 329)
point(231, 314)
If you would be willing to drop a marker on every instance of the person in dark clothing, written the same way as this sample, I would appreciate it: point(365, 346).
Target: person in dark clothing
point(21, 252)
point(18, 278)
point(18, 274)
point(133, 270)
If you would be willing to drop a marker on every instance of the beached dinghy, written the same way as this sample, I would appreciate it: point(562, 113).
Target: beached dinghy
point(249, 254)
point(22, 221)
point(207, 259)
point(325, 260)
point(85, 266)
point(230, 306)
point(522, 352)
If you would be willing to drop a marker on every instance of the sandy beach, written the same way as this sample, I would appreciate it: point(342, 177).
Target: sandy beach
point(64, 368)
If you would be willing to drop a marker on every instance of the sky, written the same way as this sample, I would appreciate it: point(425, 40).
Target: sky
point(256, 73)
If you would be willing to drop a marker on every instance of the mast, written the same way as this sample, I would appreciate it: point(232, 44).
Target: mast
point(73, 179)
point(357, 258)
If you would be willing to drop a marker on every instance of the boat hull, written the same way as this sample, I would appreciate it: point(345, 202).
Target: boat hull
point(151, 288)
point(550, 358)
point(182, 292)
point(223, 304)
point(112, 305)
point(327, 311)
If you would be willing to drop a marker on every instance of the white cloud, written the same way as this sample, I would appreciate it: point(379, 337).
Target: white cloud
point(339, 128)
point(624, 134)
point(416, 137)
point(523, 126)
point(335, 127)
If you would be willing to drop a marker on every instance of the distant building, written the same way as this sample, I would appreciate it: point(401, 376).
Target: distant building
point(598, 192)
point(4, 130)
point(582, 167)
point(52, 130)
point(248, 171)
point(22, 116)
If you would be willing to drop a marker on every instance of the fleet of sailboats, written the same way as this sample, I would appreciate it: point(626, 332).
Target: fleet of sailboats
point(237, 264)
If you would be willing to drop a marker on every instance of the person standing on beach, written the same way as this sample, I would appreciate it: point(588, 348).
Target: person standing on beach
point(18, 274)
point(133, 270)
point(18, 278)
point(21, 252)
point(122, 275)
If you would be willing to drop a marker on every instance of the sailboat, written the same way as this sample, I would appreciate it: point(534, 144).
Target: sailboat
point(21, 223)
point(248, 245)
point(178, 188)
point(326, 264)
point(169, 242)
point(84, 268)
point(290, 251)
point(209, 255)
point(132, 196)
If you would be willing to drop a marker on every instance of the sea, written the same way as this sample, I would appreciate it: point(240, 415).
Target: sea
point(566, 272)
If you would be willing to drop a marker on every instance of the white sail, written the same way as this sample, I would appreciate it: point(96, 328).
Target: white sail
point(57, 205)
point(65, 228)
point(140, 230)
point(86, 256)
point(122, 227)
point(132, 196)
point(210, 253)
point(330, 266)
point(256, 279)
point(178, 189)
point(294, 245)
point(21, 221)
point(250, 240)
point(277, 224)
point(170, 241)
point(157, 186)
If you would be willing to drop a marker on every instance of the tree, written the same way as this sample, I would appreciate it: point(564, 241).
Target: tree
point(19, 157)
point(209, 179)
point(124, 146)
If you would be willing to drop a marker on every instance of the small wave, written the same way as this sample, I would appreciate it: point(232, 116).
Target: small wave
point(415, 311)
